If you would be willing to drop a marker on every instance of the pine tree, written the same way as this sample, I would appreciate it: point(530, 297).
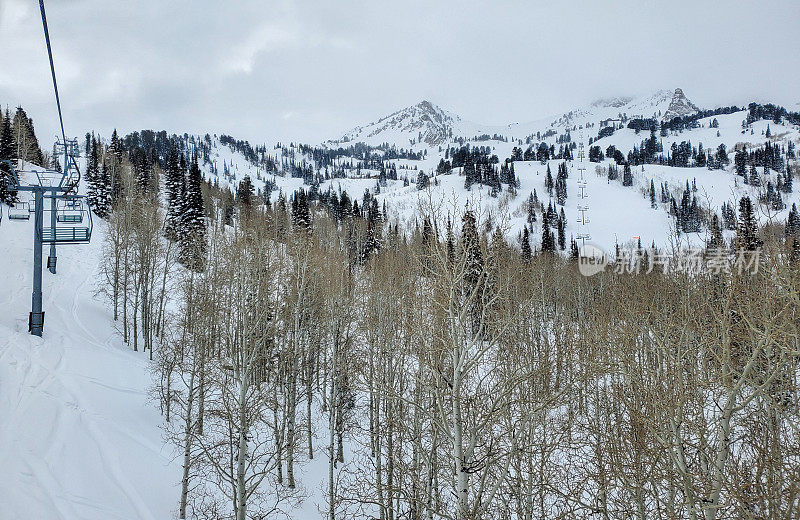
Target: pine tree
point(423, 181)
point(787, 180)
point(716, 241)
point(193, 223)
point(474, 276)
point(746, 231)
point(27, 145)
point(8, 145)
point(573, 249)
point(755, 180)
point(548, 181)
point(531, 209)
point(94, 189)
point(652, 194)
point(143, 171)
point(371, 244)
point(8, 150)
point(115, 168)
point(175, 184)
point(562, 239)
point(451, 246)
point(548, 240)
point(526, 245)
point(627, 175)
point(245, 192)
point(301, 214)
point(469, 175)
point(793, 222)
point(470, 244)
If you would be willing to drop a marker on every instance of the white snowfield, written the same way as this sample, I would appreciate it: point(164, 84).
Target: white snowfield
point(80, 438)
point(617, 214)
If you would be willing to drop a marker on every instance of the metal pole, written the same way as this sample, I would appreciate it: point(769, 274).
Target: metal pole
point(36, 319)
point(51, 260)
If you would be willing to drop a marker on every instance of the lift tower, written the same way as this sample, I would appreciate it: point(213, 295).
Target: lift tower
point(69, 219)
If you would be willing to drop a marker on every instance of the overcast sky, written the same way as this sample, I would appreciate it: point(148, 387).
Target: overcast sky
point(310, 70)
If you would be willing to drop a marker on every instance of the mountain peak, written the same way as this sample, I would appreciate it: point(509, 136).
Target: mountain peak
point(424, 122)
point(679, 106)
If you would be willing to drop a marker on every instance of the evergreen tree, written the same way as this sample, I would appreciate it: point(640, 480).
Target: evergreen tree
point(627, 175)
point(370, 245)
point(531, 209)
point(422, 181)
point(526, 245)
point(373, 213)
point(746, 231)
point(451, 245)
point(716, 241)
point(301, 214)
point(793, 222)
point(94, 179)
point(474, 277)
point(548, 240)
point(8, 151)
point(573, 249)
point(115, 153)
point(755, 180)
point(562, 239)
point(548, 181)
point(652, 194)
point(561, 184)
point(8, 145)
point(245, 192)
point(25, 138)
point(175, 184)
point(193, 222)
point(469, 175)
point(787, 180)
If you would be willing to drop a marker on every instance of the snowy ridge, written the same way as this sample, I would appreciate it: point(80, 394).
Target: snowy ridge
point(426, 124)
point(423, 122)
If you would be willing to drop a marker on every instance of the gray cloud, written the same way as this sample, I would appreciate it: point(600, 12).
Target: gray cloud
point(310, 70)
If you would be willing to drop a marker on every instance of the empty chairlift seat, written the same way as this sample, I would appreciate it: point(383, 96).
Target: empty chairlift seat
point(20, 211)
point(73, 221)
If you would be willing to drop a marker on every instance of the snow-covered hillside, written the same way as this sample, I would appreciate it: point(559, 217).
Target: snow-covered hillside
point(81, 436)
point(430, 133)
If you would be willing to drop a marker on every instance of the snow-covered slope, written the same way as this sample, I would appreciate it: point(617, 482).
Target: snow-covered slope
point(423, 122)
point(428, 132)
point(80, 437)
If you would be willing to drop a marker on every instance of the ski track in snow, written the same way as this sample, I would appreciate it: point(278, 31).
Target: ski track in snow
point(80, 437)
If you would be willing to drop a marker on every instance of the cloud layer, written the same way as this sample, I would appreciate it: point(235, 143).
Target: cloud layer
point(310, 70)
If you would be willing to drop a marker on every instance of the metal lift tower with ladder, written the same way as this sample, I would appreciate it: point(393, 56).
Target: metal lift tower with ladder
point(70, 218)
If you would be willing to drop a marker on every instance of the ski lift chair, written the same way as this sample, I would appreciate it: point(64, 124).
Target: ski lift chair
point(69, 211)
point(20, 211)
point(73, 222)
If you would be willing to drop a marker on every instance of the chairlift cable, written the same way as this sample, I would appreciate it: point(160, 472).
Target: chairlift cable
point(58, 99)
point(52, 70)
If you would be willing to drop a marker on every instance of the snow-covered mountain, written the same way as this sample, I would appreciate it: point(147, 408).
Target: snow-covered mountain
point(679, 106)
point(420, 123)
point(426, 124)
